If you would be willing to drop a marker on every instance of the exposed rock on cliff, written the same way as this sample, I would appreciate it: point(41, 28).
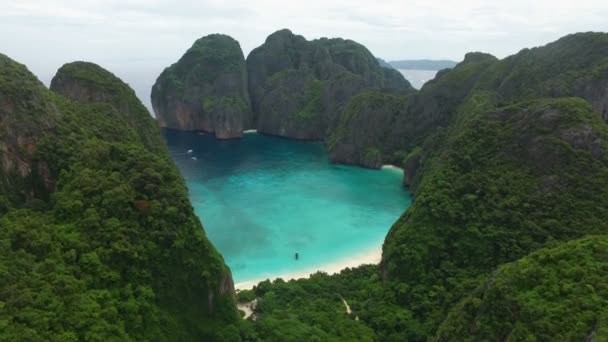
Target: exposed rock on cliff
point(206, 90)
point(26, 117)
point(393, 125)
point(480, 81)
point(299, 87)
point(89, 83)
point(361, 134)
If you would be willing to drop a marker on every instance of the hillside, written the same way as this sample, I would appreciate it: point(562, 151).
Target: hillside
point(102, 243)
point(505, 157)
point(557, 293)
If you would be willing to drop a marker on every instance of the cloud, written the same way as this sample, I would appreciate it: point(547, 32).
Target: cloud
point(138, 38)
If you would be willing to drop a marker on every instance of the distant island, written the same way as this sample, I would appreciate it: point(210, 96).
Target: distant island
point(421, 64)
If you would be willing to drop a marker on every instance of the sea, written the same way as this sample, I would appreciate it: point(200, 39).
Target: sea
point(262, 199)
point(418, 77)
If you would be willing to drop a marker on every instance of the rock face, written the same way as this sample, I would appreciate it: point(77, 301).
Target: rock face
point(393, 125)
point(360, 136)
point(595, 90)
point(206, 90)
point(89, 83)
point(480, 81)
point(299, 87)
point(26, 117)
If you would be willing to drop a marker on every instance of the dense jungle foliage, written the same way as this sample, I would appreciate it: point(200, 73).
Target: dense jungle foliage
point(114, 250)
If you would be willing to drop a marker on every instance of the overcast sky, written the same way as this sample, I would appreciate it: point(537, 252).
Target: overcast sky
point(136, 39)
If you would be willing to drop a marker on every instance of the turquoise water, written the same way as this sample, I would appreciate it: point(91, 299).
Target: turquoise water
point(262, 199)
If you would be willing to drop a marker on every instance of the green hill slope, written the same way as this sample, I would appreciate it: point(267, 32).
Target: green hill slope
point(557, 293)
point(106, 245)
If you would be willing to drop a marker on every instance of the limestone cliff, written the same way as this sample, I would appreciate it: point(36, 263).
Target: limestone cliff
point(392, 125)
point(480, 81)
point(26, 117)
point(89, 83)
point(299, 87)
point(206, 90)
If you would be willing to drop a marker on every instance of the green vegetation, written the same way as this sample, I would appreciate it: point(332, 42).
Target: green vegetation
point(208, 58)
point(506, 238)
point(216, 103)
point(299, 87)
point(509, 164)
point(400, 123)
point(369, 115)
point(558, 293)
point(503, 185)
point(313, 100)
point(25, 118)
point(114, 251)
point(88, 82)
point(415, 153)
point(372, 156)
point(206, 89)
point(313, 310)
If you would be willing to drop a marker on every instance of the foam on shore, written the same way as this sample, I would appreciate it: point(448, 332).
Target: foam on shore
point(371, 256)
point(391, 167)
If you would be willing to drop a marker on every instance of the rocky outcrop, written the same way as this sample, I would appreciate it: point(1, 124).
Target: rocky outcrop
point(26, 117)
point(89, 83)
point(299, 87)
point(381, 128)
point(360, 136)
point(594, 89)
point(411, 166)
point(206, 90)
point(480, 82)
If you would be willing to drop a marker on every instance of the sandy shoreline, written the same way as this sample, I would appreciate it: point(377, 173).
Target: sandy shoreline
point(391, 167)
point(250, 131)
point(371, 256)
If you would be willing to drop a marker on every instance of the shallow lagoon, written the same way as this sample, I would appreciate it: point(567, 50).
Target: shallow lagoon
point(262, 199)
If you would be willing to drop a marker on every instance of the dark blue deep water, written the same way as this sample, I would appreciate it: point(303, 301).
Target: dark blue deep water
point(262, 199)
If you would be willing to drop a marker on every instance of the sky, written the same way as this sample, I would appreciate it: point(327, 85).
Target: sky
point(137, 39)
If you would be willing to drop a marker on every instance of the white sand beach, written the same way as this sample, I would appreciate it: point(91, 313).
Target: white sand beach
point(250, 131)
point(391, 167)
point(371, 256)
